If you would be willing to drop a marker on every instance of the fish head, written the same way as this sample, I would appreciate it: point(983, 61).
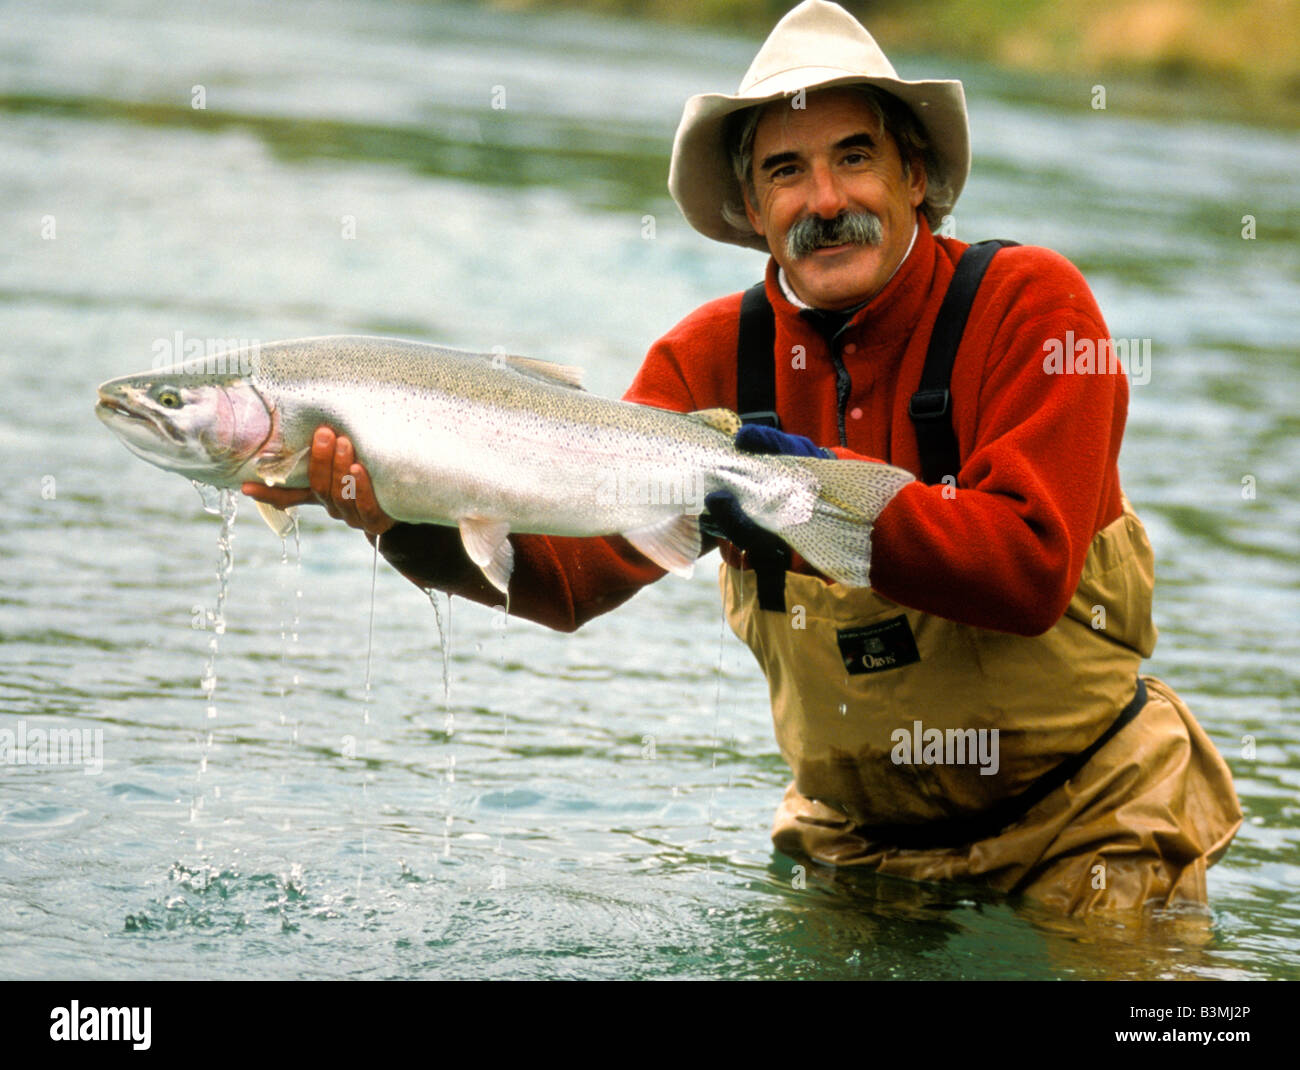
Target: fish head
point(205, 427)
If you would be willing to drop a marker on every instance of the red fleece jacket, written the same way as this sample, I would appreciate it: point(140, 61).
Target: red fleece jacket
point(1038, 478)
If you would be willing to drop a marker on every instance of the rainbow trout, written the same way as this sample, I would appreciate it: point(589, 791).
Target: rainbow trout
point(491, 444)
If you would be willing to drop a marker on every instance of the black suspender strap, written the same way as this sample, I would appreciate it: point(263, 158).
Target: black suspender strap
point(931, 405)
point(755, 360)
point(756, 404)
point(961, 831)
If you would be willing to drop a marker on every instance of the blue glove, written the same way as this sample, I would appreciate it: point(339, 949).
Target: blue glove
point(755, 438)
point(724, 519)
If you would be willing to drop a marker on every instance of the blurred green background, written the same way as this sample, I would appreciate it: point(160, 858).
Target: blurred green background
point(1238, 59)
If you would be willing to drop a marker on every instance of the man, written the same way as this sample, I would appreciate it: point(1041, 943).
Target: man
point(976, 714)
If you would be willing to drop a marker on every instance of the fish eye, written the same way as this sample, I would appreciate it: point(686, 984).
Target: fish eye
point(169, 399)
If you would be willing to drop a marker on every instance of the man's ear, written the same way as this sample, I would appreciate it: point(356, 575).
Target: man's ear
point(917, 182)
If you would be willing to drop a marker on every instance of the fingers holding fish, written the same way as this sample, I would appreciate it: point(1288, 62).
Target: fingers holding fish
point(369, 516)
point(280, 497)
point(337, 481)
point(342, 485)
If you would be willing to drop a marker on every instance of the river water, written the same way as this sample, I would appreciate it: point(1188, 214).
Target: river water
point(593, 805)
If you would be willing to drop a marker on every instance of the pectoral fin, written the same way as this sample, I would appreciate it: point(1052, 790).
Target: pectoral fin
point(274, 469)
point(487, 545)
point(280, 521)
point(673, 544)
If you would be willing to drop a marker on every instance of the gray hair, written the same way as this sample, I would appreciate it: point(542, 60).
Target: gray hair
point(895, 118)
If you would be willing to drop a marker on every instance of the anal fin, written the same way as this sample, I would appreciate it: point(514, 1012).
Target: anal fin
point(488, 546)
point(280, 521)
point(672, 544)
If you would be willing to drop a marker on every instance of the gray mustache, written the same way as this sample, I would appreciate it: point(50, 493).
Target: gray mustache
point(848, 228)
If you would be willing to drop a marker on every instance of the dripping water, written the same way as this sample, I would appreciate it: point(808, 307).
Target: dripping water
point(370, 632)
point(444, 644)
point(296, 679)
point(365, 707)
point(289, 678)
point(449, 719)
point(717, 727)
point(505, 713)
point(224, 503)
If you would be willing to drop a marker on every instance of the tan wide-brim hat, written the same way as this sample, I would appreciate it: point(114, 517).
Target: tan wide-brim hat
point(817, 45)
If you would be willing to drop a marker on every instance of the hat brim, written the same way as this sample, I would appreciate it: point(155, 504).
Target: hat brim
point(700, 176)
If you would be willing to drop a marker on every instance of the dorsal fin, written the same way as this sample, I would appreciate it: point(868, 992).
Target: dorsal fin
point(723, 420)
point(542, 370)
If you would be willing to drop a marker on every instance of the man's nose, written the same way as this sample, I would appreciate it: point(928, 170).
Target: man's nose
point(827, 197)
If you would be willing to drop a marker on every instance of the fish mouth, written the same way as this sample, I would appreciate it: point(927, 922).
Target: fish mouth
point(108, 407)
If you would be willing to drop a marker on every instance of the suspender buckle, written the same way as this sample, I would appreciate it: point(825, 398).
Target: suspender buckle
point(767, 419)
point(930, 405)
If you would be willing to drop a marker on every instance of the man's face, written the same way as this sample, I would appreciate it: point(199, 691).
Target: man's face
point(818, 163)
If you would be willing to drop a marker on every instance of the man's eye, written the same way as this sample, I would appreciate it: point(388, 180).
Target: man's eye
point(855, 158)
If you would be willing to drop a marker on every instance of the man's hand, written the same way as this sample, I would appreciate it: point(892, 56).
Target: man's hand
point(331, 460)
point(725, 519)
point(755, 438)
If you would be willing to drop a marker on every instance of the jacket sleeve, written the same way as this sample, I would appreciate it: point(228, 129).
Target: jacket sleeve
point(557, 581)
point(1005, 548)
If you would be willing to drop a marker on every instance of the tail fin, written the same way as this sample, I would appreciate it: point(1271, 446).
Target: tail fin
point(849, 495)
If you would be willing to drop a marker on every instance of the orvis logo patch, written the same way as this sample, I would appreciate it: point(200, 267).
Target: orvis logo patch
point(877, 647)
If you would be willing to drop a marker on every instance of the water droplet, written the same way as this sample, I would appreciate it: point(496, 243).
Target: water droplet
point(444, 642)
point(210, 496)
